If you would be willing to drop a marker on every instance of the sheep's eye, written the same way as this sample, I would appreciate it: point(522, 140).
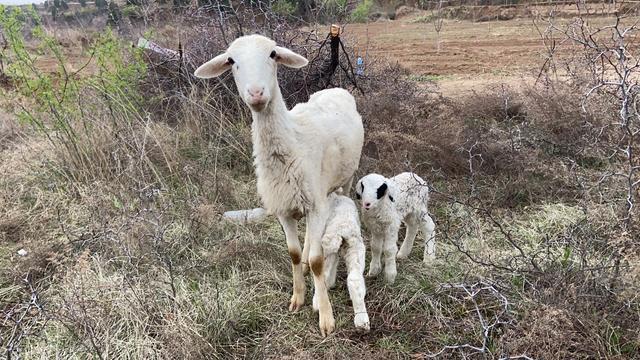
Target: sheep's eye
point(230, 61)
point(358, 196)
point(273, 54)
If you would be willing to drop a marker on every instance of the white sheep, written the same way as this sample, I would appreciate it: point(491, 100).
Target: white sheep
point(385, 204)
point(342, 238)
point(300, 155)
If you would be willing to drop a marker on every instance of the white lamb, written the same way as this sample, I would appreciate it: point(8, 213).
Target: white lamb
point(342, 237)
point(300, 155)
point(388, 202)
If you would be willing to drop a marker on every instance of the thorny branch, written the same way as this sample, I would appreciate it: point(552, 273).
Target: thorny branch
point(614, 68)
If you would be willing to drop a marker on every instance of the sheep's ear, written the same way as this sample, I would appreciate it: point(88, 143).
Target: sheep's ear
point(214, 67)
point(290, 59)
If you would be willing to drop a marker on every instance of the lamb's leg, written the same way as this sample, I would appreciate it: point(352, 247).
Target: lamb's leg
point(331, 267)
point(290, 227)
point(305, 256)
point(346, 187)
point(407, 244)
point(375, 266)
point(354, 259)
point(429, 232)
point(390, 252)
point(315, 227)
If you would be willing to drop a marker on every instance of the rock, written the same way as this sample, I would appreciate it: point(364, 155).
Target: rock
point(22, 252)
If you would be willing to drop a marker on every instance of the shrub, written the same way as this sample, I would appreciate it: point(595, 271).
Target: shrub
point(362, 11)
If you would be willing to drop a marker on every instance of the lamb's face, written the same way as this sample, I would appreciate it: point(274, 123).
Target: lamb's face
point(253, 61)
point(371, 190)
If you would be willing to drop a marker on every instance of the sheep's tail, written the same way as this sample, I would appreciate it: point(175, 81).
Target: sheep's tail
point(246, 216)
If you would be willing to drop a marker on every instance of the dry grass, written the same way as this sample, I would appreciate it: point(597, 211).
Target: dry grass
point(128, 256)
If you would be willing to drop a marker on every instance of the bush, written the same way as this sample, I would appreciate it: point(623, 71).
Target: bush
point(362, 11)
point(284, 7)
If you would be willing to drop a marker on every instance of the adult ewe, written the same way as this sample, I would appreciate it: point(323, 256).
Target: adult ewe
point(388, 202)
point(300, 155)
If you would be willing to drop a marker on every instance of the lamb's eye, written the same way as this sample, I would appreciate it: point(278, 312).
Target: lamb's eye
point(230, 61)
point(358, 196)
point(273, 54)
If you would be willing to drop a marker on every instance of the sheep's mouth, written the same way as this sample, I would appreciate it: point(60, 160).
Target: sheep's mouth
point(258, 106)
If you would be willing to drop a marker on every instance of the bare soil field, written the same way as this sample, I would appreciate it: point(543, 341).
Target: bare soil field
point(492, 51)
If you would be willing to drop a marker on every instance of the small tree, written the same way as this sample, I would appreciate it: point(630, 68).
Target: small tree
point(438, 22)
point(115, 15)
point(54, 12)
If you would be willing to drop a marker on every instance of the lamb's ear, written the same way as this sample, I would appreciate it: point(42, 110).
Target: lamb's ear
point(288, 58)
point(392, 192)
point(359, 189)
point(214, 67)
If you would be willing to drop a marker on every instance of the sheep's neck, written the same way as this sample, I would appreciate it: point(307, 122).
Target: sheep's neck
point(273, 130)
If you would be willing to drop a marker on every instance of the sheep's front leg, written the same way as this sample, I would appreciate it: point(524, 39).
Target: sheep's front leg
point(407, 244)
point(354, 259)
point(290, 227)
point(330, 269)
point(429, 231)
point(390, 252)
point(377, 240)
point(316, 221)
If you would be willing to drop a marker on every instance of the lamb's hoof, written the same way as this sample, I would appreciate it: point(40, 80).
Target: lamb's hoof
point(402, 254)
point(361, 322)
point(305, 269)
point(327, 324)
point(429, 258)
point(373, 272)
point(296, 302)
point(316, 305)
point(390, 278)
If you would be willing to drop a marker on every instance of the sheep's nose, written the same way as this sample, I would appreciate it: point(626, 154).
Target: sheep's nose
point(256, 92)
point(367, 205)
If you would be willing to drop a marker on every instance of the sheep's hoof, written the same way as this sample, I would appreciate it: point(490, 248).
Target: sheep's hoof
point(316, 305)
point(296, 302)
point(402, 254)
point(305, 269)
point(327, 324)
point(361, 322)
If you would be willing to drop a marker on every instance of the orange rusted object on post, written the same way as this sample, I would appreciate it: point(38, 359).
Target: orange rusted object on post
point(335, 30)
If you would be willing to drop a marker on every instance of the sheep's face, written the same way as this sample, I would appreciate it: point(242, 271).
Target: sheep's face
point(372, 190)
point(253, 61)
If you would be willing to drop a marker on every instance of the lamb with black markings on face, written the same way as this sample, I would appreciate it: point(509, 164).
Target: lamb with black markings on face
point(386, 203)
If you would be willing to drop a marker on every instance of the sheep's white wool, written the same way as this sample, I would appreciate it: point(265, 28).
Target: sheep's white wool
point(300, 155)
point(386, 203)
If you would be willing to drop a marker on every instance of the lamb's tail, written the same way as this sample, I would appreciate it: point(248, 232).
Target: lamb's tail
point(246, 216)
